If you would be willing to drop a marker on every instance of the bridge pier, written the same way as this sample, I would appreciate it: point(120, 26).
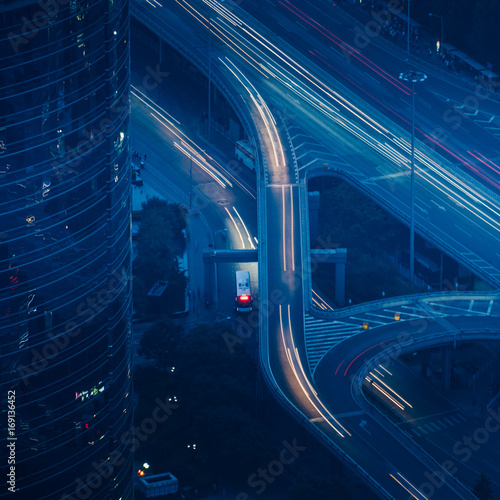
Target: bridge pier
point(340, 283)
point(314, 200)
point(209, 268)
point(210, 260)
point(337, 256)
point(425, 367)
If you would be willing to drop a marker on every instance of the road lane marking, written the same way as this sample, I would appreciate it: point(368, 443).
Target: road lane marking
point(463, 230)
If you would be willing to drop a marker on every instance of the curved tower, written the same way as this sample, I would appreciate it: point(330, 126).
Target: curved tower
point(65, 252)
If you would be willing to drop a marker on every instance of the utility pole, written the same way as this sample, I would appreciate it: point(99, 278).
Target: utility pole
point(209, 73)
point(413, 77)
point(408, 37)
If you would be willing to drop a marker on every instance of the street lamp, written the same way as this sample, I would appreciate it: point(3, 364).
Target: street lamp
point(408, 37)
point(442, 35)
point(209, 71)
point(413, 77)
point(190, 180)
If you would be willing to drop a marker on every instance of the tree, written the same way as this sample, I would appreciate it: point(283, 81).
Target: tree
point(230, 441)
point(483, 488)
point(212, 372)
point(159, 242)
point(161, 341)
point(354, 221)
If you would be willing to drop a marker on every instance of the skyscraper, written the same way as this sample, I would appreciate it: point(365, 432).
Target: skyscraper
point(65, 252)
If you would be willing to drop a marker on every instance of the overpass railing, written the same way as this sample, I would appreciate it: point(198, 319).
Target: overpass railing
point(352, 97)
point(397, 349)
point(405, 300)
point(224, 86)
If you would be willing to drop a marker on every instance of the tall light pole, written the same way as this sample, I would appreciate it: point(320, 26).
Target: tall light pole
point(190, 180)
point(413, 77)
point(209, 71)
point(408, 37)
point(442, 31)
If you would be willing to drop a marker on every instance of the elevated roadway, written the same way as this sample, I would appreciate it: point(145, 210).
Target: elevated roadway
point(386, 461)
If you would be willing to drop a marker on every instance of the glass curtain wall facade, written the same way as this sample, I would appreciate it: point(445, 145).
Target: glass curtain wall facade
point(65, 249)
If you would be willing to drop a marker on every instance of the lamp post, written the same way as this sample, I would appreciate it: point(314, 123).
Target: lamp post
point(190, 181)
point(408, 30)
point(413, 77)
point(209, 71)
point(442, 32)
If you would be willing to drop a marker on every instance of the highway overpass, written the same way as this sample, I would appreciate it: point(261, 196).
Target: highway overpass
point(264, 75)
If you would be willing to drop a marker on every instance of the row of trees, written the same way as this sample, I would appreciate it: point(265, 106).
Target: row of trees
point(216, 390)
point(218, 411)
point(159, 242)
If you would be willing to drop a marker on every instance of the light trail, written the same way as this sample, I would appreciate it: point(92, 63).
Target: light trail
point(321, 306)
point(236, 226)
point(392, 390)
point(292, 228)
point(385, 369)
point(345, 47)
point(288, 352)
point(171, 124)
point(411, 488)
point(197, 162)
point(384, 149)
point(322, 303)
point(385, 393)
point(245, 227)
point(389, 152)
point(283, 237)
point(209, 25)
point(264, 112)
point(485, 161)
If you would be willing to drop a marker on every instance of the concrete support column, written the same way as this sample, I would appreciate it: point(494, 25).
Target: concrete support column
point(425, 363)
point(209, 265)
point(337, 256)
point(210, 260)
point(340, 283)
point(313, 199)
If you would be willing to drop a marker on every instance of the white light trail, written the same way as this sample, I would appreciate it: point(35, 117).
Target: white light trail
point(245, 227)
point(236, 226)
point(288, 352)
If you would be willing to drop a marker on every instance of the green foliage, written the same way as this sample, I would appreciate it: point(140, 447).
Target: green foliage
point(216, 394)
point(161, 341)
point(483, 488)
point(159, 241)
point(351, 220)
point(230, 439)
point(211, 372)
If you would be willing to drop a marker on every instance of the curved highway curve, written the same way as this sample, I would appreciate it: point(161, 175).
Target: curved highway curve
point(388, 465)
